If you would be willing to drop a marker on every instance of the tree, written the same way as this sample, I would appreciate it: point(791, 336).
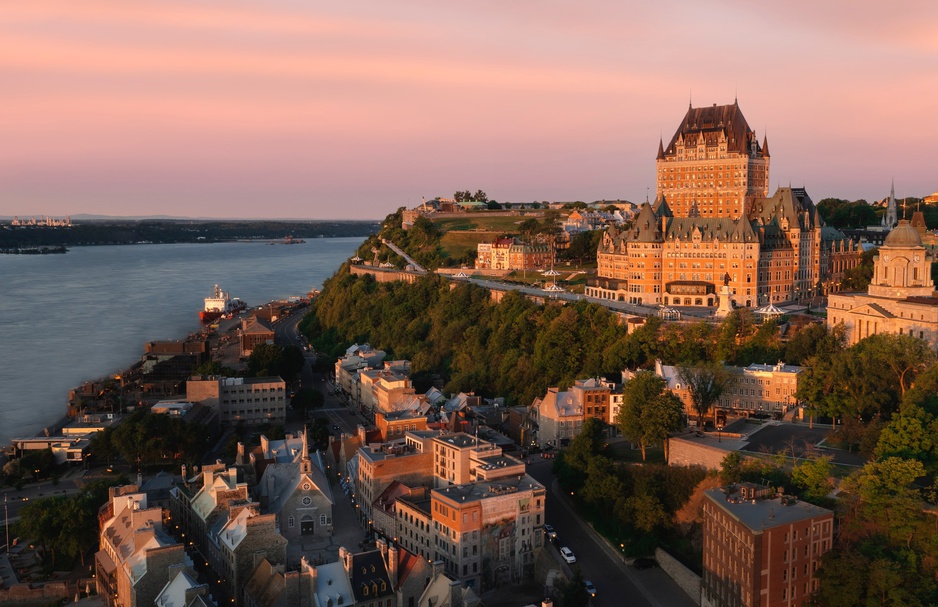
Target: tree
point(813, 476)
point(481, 196)
point(705, 383)
point(583, 246)
point(647, 512)
point(858, 278)
point(885, 490)
point(731, 468)
point(307, 399)
point(574, 593)
point(275, 360)
point(586, 445)
point(649, 413)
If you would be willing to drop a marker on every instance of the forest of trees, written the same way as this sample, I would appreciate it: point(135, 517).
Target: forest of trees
point(843, 214)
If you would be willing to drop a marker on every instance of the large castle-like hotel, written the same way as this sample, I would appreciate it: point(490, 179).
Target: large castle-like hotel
point(713, 223)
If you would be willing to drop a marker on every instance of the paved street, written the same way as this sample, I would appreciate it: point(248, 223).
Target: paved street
point(616, 583)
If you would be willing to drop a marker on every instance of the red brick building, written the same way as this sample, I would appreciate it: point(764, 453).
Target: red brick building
point(761, 550)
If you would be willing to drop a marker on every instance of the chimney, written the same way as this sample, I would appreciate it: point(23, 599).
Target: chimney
point(362, 434)
point(139, 479)
point(311, 574)
point(392, 565)
point(183, 473)
point(547, 603)
point(382, 545)
point(455, 593)
point(345, 558)
point(436, 568)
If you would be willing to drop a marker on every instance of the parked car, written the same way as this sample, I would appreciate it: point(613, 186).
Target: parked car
point(567, 555)
point(589, 587)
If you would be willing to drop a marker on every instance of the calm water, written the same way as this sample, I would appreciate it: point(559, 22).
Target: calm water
point(68, 318)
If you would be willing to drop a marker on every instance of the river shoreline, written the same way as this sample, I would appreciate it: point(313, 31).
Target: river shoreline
point(223, 336)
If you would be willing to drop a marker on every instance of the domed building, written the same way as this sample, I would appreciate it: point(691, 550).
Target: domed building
point(901, 298)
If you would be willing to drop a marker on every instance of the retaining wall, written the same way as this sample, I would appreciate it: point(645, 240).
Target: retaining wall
point(686, 579)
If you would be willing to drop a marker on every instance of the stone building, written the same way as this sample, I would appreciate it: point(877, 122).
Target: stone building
point(761, 550)
point(756, 389)
point(901, 298)
point(714, 162)
point(254, 332)
point(137, 558)
point(241, 400)
point(513, 254)
point(713, 223)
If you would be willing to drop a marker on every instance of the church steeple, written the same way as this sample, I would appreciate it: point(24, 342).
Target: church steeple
point(660, 149)
point(305, 463)
point(892, 215)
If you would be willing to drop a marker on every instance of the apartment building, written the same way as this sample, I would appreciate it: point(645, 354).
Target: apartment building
point(137, 558)
point(761, 549)
point(756, 389)
point(241, 400)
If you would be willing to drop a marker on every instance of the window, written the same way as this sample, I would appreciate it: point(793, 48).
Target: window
point(291, 522)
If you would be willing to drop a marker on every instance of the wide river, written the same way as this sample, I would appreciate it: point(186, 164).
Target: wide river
point(68, 318)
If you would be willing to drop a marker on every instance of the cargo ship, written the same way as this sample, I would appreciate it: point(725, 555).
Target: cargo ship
point(220, 304)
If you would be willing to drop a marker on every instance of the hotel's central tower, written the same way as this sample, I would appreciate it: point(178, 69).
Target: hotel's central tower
point(714, 165)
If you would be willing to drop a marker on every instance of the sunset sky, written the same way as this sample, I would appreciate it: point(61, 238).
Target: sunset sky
point(311, 109)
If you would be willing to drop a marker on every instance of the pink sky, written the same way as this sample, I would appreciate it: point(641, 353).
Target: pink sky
point(307, 109)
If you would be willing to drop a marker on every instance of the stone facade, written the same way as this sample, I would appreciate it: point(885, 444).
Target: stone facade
point(137, 556)
point(512, 254)
point(756, 389)
point(901, 298)
point(713, 224)
point(253, 400)
point(687, 452)
point(713, 162)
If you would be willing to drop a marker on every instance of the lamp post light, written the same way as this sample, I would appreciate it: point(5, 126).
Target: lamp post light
point(6, 520)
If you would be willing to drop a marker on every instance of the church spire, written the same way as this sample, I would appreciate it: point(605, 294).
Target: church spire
point(892, 216)
point(765, 146)
point(660, 149)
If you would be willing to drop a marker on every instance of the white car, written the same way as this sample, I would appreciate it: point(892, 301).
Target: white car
point(567, 555)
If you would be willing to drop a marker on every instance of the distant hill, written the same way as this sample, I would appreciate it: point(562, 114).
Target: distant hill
point(125, 231)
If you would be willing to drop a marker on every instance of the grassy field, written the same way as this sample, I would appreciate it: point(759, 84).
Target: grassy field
point(489, 223)
point(456, 244)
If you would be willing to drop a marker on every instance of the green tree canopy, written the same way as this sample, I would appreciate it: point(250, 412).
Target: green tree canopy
point(649, 412)
point(706, 383)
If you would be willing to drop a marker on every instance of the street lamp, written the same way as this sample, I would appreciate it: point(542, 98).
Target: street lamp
point(120, 401)
point(6, 520)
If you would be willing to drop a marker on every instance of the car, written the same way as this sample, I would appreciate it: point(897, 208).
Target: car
point(567, 555)
point(551, 537)
point(644, 563)
point(589, 587)
point(548, 528)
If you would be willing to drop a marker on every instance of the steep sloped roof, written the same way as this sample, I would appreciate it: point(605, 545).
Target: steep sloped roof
point(714, 124)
